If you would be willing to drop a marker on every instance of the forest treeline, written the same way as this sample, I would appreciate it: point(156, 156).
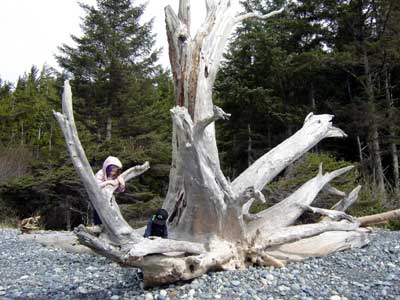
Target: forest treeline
point(338, 57)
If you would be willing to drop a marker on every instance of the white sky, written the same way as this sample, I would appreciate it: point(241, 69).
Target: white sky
point(31, 30)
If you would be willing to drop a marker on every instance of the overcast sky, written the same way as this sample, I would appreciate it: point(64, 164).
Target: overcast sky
point(31, 30)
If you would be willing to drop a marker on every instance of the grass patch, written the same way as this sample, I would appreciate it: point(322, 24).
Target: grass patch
point(138, 213)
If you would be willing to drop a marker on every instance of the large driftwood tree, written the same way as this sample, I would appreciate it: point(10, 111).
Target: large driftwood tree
point(210, 224)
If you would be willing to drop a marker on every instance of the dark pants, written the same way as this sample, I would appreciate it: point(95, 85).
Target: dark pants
point(96, 218)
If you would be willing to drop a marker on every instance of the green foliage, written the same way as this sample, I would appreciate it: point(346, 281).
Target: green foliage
point(44, 192)
point(371, 201)
point(322, 56)
point(112, 65)
point(308, 167)
point(302, 171)
point(26, 113)
point(138, 213)
point(117, 84)
point(339, 57)
point(394, 225)
point(270, 79)
point(8, 216)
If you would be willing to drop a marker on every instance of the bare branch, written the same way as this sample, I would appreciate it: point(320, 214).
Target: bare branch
point(218, 114)
point(294, 233)
point(135, 171)
point(159, 245)
point(184, 13)
point(250, 194)
point(246, 200)
point(333, 191)
point(319, 245)
point(379, 218)
point(97, 245)
point(263, 170)
point(331, 214)
point(183, 123)
point(68, 113)
point(178, 34)
point(127, 254)
point(58, 239)
point(173, 23)
point(102, 200)
point(129, 174)
point(345, 203)
point(243, 17)
point(286, 212)
point(209, 5)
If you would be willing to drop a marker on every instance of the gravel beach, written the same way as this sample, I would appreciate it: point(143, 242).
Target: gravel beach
point(31, 271)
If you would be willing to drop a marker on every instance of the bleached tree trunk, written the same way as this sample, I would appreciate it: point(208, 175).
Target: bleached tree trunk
point(118, 230)
point(210, 225)
point(380, 218)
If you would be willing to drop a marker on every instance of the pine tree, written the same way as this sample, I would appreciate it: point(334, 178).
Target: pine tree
point(111, 63)
point(271, 78)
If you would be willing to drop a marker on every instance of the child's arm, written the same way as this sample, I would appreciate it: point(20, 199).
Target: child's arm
point(121, 183)
point(101, 182)
point(111, 182)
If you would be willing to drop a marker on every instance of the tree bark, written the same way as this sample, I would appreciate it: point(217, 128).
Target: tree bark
point(249, 147)
point(373, 127)
point(108, 128)
point(392, 133)
point(379, 218)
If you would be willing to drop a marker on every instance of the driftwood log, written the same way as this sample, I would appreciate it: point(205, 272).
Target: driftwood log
point(210, 225)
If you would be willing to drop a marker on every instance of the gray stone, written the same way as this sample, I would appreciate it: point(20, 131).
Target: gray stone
point(148, 296)
point(82, 290)
point(235, 283)
point(270, 277)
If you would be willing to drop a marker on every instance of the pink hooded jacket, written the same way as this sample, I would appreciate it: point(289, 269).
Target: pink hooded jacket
point(101, 178)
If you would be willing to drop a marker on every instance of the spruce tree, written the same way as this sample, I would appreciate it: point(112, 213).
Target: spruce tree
point(270, 79)
point(111, 64)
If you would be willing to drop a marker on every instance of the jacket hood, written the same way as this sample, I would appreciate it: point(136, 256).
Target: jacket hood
point(111, 160)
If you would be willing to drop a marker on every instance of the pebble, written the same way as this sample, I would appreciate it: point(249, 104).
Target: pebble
point(235, 283)
point(270, 277)
point(148, 296)
point(191, 293)
point(372, 272)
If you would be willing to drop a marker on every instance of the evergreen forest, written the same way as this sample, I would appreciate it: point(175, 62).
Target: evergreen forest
point(339, 57)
